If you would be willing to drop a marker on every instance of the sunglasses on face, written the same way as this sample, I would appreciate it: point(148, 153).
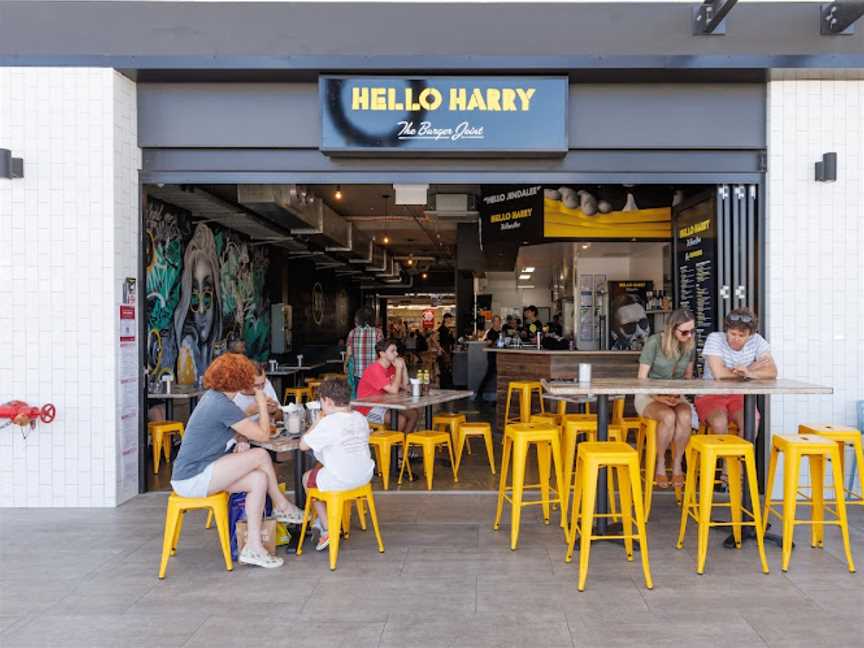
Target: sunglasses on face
point(735, 317)
point(630, 328)
point(202, 300)
point(685, 333)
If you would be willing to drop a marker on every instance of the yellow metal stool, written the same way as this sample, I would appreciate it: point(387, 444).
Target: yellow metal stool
point(474, 429)
point(517, 438)
point(547, 419)
point(382, 443)
point(524, 390)
point(336, 502)
point(312, 386)
point(448, 422)
point(583, 425)
point(620, 457)
point(817, 449)
point(177, 507)
point(378, 427)
point(161, 436)
point(299, 394)
point(703, 452)
point(429, 440)
point(843, 436)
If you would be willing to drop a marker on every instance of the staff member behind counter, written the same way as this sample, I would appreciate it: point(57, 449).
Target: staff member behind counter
point(532, 326)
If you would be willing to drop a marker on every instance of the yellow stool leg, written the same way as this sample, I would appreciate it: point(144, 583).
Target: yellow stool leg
point(167, 441)
point(156, 440)
point(544, 458)
point(177, 529)
point(460, 447)
point(171, 515)
point(733, 470)
point(841, 507)
point(384, 464)
point(334, 521)
point(574, 518)
point(640, 525)
point(520, 458)
point(859, 462)
point(650, 466)
point(507, 407)
point(610, 493)
point(452, 461)
point(502, 481)
point(490, 452)
point(525, 405)
point(209, 522)
point(428, 464)
point(706, 490)
point(790, 492)
point(626, 508)
point(405, 447)
point(373, 515)
point(220, 512)
point(769, 488)
point(346, 518)
point(307, 517)
point(589, 498)
point(689, 493)
point(559, 484)
point(569, 458)
point(377, 449)
point(817, 496)
point(539, 391)
point(753, 484)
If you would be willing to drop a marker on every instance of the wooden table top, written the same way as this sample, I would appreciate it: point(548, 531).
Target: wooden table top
point(281, 443)
point(310, 367)
point(282, 372)
point(175, 394)
point(567, 352)
point(404, 400)
point(676, 387)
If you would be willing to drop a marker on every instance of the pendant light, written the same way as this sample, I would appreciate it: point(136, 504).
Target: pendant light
point(386, 239)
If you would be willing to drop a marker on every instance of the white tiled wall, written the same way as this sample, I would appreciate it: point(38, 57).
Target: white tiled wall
point(68, 233)
point(816, 242)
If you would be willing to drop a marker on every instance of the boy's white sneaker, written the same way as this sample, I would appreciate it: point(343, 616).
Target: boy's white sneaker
point(323, 541)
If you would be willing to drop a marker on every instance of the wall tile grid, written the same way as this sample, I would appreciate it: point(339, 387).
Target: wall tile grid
point(815, 242)
point(68, 230)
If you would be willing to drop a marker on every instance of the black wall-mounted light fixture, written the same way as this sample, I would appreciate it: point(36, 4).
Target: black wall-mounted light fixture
point(826, 170)
point(10, 167)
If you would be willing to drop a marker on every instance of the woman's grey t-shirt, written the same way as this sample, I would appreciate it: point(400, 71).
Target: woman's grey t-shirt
point(207, 433)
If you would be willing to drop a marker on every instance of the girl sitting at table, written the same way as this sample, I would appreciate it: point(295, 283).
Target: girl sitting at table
point(211, 460)
point(340, 441)
point(667, 355)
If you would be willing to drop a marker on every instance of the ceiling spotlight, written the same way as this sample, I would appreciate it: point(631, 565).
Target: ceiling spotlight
point(524, 276)
point(338, 194)
point(528, 269)
point(410, 262)
point(425, 275)
point(386, 240)
point(585, 246)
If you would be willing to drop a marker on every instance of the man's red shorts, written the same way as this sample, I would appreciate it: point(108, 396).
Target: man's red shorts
point(311, 480)
point(730, 405)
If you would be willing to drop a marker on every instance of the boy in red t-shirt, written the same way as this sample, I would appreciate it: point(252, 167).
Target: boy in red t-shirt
point(388, 375)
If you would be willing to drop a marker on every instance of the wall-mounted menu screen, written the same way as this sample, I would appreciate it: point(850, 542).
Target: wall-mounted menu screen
point(696, 267)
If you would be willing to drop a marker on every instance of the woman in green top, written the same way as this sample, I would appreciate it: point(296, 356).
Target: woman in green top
point(668, 355)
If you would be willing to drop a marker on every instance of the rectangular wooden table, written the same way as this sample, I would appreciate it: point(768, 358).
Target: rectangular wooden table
point(404, 401)
point(603, 388)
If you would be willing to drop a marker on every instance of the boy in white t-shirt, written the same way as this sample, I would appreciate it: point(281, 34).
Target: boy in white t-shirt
point(340, 441)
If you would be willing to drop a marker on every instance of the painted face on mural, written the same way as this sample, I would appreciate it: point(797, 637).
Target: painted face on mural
point(631, 326)
point(202, 299)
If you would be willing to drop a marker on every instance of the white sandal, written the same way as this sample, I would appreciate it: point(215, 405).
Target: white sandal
point(290, 517)
point(259, 559)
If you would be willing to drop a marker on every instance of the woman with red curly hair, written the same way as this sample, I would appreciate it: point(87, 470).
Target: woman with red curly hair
point(206, 463)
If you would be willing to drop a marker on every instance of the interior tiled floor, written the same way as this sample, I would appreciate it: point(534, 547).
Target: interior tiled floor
point(87, 577)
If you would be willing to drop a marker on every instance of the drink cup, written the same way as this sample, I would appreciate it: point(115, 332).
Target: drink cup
point(584, 372)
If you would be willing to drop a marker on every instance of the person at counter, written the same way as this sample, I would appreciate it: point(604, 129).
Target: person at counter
point(555, 326)
point(510, 328)
point(445, 360)
point(491, 339)
point(667, 355)
point(387, 375)
point(532, 326)
point(739, 353)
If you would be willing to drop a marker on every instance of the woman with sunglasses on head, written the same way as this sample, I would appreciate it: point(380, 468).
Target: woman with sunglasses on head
point(737, 353)
point(667, 355)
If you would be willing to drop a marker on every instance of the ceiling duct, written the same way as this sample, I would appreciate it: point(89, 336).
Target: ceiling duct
point(205, 205)
point(295, 207)
point(366, 255)
point(454, 207)
point(379, 260)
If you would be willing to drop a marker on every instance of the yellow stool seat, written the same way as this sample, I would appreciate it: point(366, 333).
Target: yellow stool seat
point(619, 457)
point(548, 419)
point(474, 429)
point(843, 436)
point(816, 449)
point(575, 427)
point(517, 439)
point(382, 443)
point(703, 452)
point(299, 394)
point(217, 504)
point(337, 521)
point(161, 434)
point(333, 375)
point(428, 440)
point(448, 422)
point(525, 390)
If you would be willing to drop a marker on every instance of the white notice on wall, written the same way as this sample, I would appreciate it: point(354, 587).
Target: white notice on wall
point(127, 394)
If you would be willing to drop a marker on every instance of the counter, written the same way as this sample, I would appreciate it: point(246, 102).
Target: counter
point(531, 364)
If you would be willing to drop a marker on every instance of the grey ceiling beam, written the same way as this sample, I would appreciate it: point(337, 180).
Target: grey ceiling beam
point(838, 18)
point(709, 16)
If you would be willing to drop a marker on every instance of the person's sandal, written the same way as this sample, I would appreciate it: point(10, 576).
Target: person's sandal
point(259, 559)
point(678, 480)
point(290, 517)
point(661, 480)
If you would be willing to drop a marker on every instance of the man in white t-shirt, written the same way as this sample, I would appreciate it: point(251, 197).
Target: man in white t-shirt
point(738, 353)
point(340, 441)
point(245, 400)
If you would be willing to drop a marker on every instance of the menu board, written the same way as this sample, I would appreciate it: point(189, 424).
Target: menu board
point(696, 262)
point(511, 213)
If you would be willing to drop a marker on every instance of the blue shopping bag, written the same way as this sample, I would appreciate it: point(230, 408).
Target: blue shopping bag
point(237, 513)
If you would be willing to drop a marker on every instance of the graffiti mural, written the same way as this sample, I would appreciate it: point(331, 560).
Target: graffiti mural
point(205, 289)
